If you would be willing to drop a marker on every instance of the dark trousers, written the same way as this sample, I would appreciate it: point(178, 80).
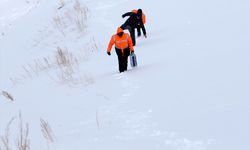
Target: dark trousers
point(138, 31)
point(122, 58)
point(131, 32)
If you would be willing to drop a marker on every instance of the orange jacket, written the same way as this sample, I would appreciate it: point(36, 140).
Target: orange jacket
point(143, 16)
point(121, 42)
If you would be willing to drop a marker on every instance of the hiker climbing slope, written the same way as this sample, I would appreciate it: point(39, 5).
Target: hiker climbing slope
point(123, 46)
point(132, 23)
point(139, 25)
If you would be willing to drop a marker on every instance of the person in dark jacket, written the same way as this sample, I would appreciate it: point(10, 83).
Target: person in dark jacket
point(134, 21)
point(139, 26)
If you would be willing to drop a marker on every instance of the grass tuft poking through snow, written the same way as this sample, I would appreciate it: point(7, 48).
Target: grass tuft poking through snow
point(23, 141)
point(69, 69)
point(7, 95)
point(47, 131)
point(72, 18)
point(20, 141)
point(64, 66)
point(5, 143)
point(62, 4)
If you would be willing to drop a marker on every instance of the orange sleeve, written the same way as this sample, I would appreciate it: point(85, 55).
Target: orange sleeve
point(144, 19)
point(111, 43)
point(130, 43)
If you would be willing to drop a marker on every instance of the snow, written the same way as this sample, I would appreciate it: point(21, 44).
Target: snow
point(191, 90)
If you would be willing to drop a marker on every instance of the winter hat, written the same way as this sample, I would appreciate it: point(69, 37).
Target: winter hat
point(139, 11)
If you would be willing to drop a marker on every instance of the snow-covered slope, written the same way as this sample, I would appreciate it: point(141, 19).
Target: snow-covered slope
point(191, 90)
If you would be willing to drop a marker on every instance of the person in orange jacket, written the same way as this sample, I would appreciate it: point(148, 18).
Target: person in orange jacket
point(123, 47)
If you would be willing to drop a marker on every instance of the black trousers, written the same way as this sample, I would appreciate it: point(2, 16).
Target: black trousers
point(131, 32)
point(139, 28)
point(138, 31)
point(123, 58)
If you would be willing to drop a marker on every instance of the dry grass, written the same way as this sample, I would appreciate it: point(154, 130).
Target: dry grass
point(5, 139)
point(64, 58)
point(68, 65)
point(46, 131)
point(61, 4)
point(97, 120)
point(58, 21)
point(81, 16)
point(7, 95)
point(63, 68)
point(71, 19)
point(23, 141)
point(68, 69)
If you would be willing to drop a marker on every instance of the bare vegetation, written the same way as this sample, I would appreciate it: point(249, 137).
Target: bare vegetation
point(64, 58)
point(22, 141)
point(70, 19)
point(69, 71)
point(61, 4)
point(60, 25)
point(64, 67)
point(7, 95)
point(16, 134)
point(5, 139)
point(46, 131)
point(97, 120)
point(81, 16)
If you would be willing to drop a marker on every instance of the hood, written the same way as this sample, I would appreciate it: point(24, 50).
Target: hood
point(119, 30)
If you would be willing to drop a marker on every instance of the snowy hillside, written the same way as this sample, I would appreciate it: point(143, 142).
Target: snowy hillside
point(191, 90)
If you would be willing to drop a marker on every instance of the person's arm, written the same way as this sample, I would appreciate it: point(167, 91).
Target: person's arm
point(127, 14)
point(130, 43)
point(111, 43)
point(143, 28)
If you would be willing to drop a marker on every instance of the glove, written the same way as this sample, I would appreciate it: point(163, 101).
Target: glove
point(109, 53)
point(132, 52)
point(123, 16)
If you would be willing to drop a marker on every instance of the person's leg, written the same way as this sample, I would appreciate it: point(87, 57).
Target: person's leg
point(123, 64)
point(126, 55)
point(138, 31)
point(132, 34)
point(120, 59)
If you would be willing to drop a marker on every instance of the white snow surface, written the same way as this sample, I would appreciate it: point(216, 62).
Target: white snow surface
point(190, 91)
